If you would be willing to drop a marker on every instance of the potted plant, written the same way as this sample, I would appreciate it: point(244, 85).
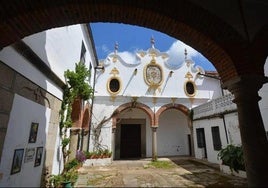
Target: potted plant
point(70, 174)
point(232, 156)
point(69, 178)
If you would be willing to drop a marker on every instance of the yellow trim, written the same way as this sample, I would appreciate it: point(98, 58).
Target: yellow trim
point(185, 90)
point(108, 85)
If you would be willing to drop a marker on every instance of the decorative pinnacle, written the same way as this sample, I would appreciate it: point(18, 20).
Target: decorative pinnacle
point(152, 41)
point(115, 47)
point(185, 53)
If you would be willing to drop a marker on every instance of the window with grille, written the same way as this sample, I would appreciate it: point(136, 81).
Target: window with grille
point(83, 53)
point(216, 138)
point(200, 137)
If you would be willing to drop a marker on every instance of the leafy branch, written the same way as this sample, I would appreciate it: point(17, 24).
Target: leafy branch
point(77, 87)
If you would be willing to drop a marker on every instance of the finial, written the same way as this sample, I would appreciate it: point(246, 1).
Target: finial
point(185, 53)
point(115, 47)
point(152, 41)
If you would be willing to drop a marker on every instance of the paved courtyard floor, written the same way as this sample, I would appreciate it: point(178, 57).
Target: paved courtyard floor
point(183, 172)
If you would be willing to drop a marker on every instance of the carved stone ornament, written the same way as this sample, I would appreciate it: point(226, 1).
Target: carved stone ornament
point(75, 131)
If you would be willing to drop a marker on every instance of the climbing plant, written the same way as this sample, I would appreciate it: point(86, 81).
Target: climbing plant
point(77, 87)
point(96, 132)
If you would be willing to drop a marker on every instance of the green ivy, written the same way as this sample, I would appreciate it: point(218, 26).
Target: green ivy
point(77, 87)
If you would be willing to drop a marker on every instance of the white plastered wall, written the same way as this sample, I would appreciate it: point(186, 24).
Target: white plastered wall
point(17, 138)
point(172, 134)
point(263, 103)
point(207, 124)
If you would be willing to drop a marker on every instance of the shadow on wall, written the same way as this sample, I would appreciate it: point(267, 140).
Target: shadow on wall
point(27, 108)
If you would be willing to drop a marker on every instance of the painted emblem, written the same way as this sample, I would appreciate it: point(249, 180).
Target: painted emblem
point(153, 75)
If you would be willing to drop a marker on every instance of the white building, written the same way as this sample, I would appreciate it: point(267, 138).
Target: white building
point(31, 81)
point(143, 104)
point(215, 124)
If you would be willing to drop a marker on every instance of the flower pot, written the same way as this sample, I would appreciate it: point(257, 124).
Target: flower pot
point(67, 184)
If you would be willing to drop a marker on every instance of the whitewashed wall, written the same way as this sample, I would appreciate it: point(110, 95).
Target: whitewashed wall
point(232, 131)
point(172, 86)
point(263, 103)
point(172, 134)
point(232, 127)
point(59, 48)
point(17, 62)
point(207, 124)
point(17, 137)
point(102, 109)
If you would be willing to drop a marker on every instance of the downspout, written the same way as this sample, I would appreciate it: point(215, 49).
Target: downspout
point(223, 119)
point(94, 77)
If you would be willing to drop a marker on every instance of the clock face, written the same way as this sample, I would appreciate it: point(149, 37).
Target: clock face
point(153, 75)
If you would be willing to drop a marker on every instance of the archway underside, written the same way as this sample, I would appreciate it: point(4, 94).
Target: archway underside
point(230, 53)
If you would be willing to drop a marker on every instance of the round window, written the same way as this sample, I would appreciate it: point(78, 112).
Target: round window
point(190, 88)
point(114, 85)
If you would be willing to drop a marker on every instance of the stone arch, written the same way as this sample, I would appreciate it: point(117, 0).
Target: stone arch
point(76, 112)
point(179, 107)
point(138, 105)
point(85, 121)
point(216, 38)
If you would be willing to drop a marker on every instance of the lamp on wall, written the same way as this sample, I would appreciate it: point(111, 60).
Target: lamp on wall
point(170, 73)
point(135, 71)
point(100, 67)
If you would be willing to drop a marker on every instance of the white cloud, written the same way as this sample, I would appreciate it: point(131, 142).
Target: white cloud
point(128, 57)
point(176, 53)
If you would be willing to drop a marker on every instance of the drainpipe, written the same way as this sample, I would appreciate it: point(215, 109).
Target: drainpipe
point(94, 77)
point(223, 119)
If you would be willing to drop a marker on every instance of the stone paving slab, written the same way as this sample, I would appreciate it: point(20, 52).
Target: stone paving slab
point(185, 172)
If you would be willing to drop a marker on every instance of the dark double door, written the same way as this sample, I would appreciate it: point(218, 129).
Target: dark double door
point(130, 144)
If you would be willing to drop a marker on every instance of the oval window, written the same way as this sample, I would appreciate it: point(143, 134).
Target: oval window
point(190, 88)
point(114, 85)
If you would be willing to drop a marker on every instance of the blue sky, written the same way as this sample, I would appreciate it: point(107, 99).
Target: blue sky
point(132, 38)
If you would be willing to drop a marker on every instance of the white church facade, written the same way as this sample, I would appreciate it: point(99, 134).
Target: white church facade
point(143, 104)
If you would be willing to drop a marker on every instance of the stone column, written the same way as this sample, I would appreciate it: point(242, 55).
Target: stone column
point(154, 143)
point(74, 139)
point(113, 142)
point(254, 141)
point(85, 139)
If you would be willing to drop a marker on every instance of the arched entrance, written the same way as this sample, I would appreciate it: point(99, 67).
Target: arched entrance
point(131, 131)
point(237, 49)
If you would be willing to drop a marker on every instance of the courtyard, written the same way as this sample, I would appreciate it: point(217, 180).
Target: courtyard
point(166, 172)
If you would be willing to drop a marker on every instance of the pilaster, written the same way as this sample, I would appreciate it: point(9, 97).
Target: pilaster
point(74, 139)
point(154, 143)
